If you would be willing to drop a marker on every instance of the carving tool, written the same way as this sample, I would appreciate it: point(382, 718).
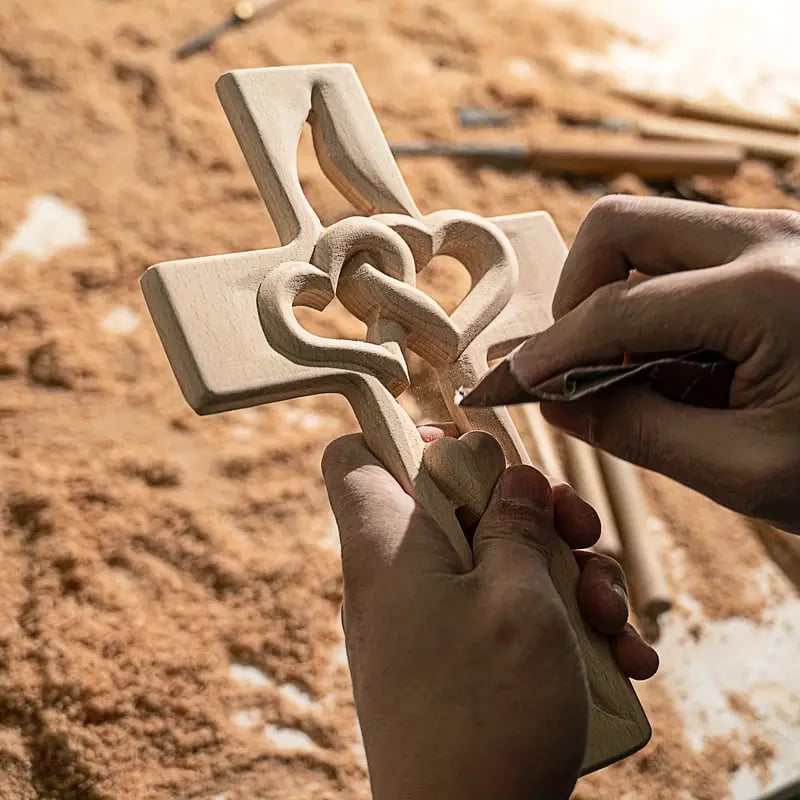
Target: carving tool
point(472, 117)
point(654, 160)
point(243, 12)
point(227, 324)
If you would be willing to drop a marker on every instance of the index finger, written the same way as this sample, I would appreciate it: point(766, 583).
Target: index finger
point(656, 236)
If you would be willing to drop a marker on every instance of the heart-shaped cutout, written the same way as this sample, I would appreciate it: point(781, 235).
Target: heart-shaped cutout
point(382, 285)
point(299, 283)
point(466, 469)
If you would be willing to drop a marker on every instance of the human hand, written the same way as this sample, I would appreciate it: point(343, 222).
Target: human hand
point(718, 278)
point(469, 685)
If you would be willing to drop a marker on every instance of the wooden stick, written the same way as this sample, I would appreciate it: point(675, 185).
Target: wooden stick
point(650, 589)
point(655, 160)
point(757, 144)
point(544, 440)
point(582, 473)
point(587, 480)
point(709, 112)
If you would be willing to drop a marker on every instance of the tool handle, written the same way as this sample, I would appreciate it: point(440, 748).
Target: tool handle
point(654, 160)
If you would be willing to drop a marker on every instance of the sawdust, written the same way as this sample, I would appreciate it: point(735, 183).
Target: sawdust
point(667, 767)
point(145, 551)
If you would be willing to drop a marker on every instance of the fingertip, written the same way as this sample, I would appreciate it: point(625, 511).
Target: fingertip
point(601, 592)
point(432, 431)
point(637, 659)
point(342, 453)
point(577, 522)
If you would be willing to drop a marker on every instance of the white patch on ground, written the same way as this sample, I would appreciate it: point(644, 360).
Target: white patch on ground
point(305, 419)
point(339, 653)
point(289, 738)
point(520, 68)
point(242, 432)
point(251, 676)
point(49, 227)
point(247, 718)
point(330, 539)
point(736, 657)
point(357, 748)
point(735, 51)
point(295, 694)
point(121, 320)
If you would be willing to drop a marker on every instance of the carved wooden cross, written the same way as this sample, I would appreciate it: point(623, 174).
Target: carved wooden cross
point(228, 327)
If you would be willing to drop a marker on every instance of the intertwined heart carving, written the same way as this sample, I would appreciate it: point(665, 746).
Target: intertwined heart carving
point(370, 264)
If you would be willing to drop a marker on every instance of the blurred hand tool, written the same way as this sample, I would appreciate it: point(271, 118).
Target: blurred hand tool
point(243, 12)
point(654, 160)
point(474, 117)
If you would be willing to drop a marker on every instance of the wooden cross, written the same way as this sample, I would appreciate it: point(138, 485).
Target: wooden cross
point(229, 331)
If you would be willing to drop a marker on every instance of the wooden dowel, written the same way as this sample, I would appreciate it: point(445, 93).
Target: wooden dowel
point(543, 436)
point(582, 472)
point(710, 112)
point(656, 160)
point(650, 590)
point(758, 144)
point(587, 480)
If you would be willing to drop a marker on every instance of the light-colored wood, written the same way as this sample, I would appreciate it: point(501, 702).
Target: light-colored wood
point(655, 160)
point(757, 144)
point(466, 469)
point(544, 438)
point(228, 326)
point(650, 589)
point(582, 472)
point(710, 111)
point(587, 479)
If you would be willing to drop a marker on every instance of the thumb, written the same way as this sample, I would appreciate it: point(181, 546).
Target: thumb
point(516, 532)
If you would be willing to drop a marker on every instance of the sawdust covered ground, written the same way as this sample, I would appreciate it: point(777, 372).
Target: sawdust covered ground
point(144, 551)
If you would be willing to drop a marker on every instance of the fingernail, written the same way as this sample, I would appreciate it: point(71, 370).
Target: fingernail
point(498, 387)
point(525, 486)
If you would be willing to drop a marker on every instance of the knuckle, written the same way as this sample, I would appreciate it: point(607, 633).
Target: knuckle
point(521, 527)
point(782, 221)
point(613, 205)
point(774, 275)
point(523, 615)
point(607, 302)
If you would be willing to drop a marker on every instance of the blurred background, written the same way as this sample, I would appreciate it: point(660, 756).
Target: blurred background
point(169, 585)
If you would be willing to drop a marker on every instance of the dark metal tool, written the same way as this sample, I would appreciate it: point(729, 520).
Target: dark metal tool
point(474, 117)
point(242, 12)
